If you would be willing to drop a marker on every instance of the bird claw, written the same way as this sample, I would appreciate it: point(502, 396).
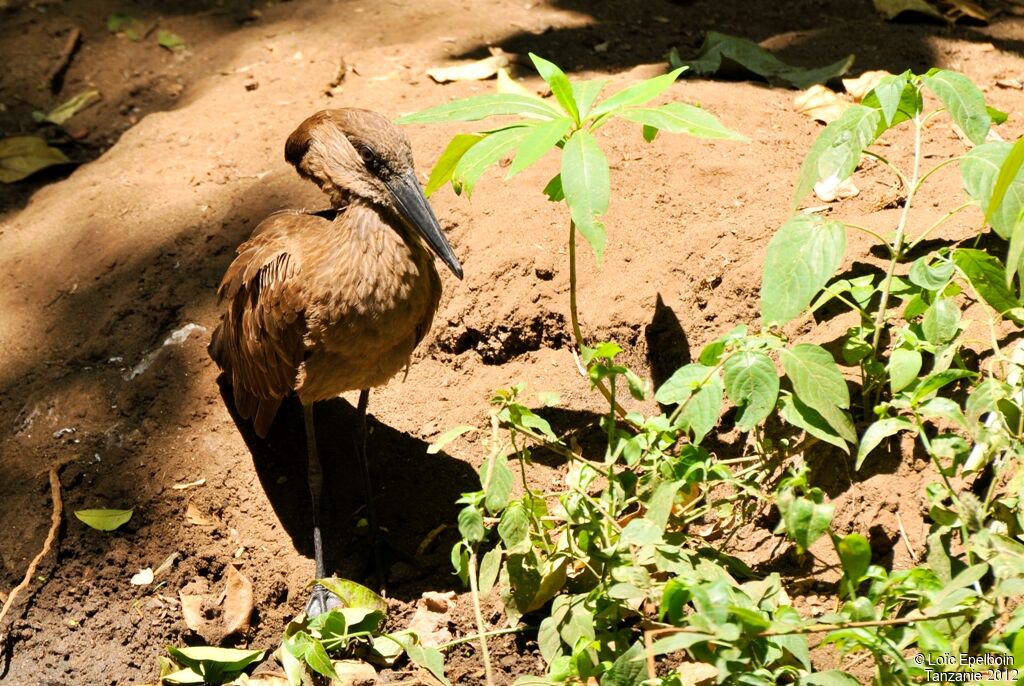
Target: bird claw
point(320, 601)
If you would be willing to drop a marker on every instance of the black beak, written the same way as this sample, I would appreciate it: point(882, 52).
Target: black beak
point(415, 211)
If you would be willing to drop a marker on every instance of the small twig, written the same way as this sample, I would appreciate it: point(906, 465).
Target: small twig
point(486, 634)
point(906, 539)
point(55, 79)
point(55, 518)
point(478, 613)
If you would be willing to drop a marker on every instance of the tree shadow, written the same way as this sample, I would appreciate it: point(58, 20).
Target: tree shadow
point(667, 347)
point(399, 467)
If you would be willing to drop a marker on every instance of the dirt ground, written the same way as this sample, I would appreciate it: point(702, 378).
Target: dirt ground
point(182, 158)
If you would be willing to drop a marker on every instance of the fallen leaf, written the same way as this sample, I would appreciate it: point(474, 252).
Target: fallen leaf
point(194, 516)
point(964, 8)
point(166, 564)
point(696, 674)
point(61, 113)
point(1010, 83)
point(353, 673)
point(104, 520)
point(192, 611)
point(182, 487)
point(22, 156)
point(143, 578)
point(864, 84)
point(731, 57)
point(820, 103)
point(238, 602)
point(430, 621)
point(170, 40)
point(471, 71)
point(124, 24)
point(831, 189)
point(890, 9)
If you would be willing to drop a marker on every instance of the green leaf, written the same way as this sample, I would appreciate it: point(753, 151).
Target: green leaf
point(104, 520)
point(928, 276)
point(877, 432)
point(637, 94)
point(490, 565)
point(354, 595)
point(832, 677)
point(484, 154)
point(117, 22)
point(979, 171)
point(483, 106)
point(317, 659)
point(680, 641)
point(819, 384)
point(514, 528)
point(988, 277)
point(964, 102)
point(214, 664)
point(497, 479)
point(678, 117)
point(1008, 171)
point(70, 108)
point(729, 55)
point(904, 366)
point(23, 156)
point(629, 668)
point(471, 524)
point(705, 386)
point(171, 41)
point(837, 151)
point(445, 165)
point(941, 321)
point(585, 181)
point(855, 556)
point(752, 385)
point(447, 437)
point(585, 93)
point(804, 519)
point(429, 659)
point(559, 83)
point(810, 420)
point(801, 257)
point(554, 189)
point(889, 94)
point(543, 138)
point(937, 380)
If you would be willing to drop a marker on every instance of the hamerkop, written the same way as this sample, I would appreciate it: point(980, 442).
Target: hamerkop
point(319, 303)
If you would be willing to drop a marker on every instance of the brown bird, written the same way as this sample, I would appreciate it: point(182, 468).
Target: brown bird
point(319, 303)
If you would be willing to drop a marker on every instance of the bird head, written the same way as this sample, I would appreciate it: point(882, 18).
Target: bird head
point(358, 154)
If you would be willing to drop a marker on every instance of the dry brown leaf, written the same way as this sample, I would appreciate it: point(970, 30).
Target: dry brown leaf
point(964, 8)
point(831, 189)
point(471, 71)
point(238, 602)
point(430, 621)
point(820, 103)
point(194, 516)
point(353, 673)
point(863, 84)
point(697, 674)
point(192, 611)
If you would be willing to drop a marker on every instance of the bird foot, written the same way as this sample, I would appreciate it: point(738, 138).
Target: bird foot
point(320, 601)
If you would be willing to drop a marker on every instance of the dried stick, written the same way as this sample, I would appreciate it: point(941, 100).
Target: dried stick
point(55, 517)
point(55, 78)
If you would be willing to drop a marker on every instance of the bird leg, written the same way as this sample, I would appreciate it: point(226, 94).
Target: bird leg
point(371, 511)
point(321, 600)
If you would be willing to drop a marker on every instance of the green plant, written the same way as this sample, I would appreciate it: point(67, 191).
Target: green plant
point(614, 563)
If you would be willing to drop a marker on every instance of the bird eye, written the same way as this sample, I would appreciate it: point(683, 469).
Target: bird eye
point(369, 158)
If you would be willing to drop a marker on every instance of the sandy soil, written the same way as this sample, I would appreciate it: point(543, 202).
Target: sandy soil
point(181, 160)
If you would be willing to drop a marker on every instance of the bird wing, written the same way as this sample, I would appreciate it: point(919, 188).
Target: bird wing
point(260, 341)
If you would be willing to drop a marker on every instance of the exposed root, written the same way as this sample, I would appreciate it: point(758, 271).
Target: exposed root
point(55, 518)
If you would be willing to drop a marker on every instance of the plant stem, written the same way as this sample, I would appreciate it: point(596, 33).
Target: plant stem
point(577, 333)
point(479, 615)
point(486, 634)
point(897, 243)
point(890, 165)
